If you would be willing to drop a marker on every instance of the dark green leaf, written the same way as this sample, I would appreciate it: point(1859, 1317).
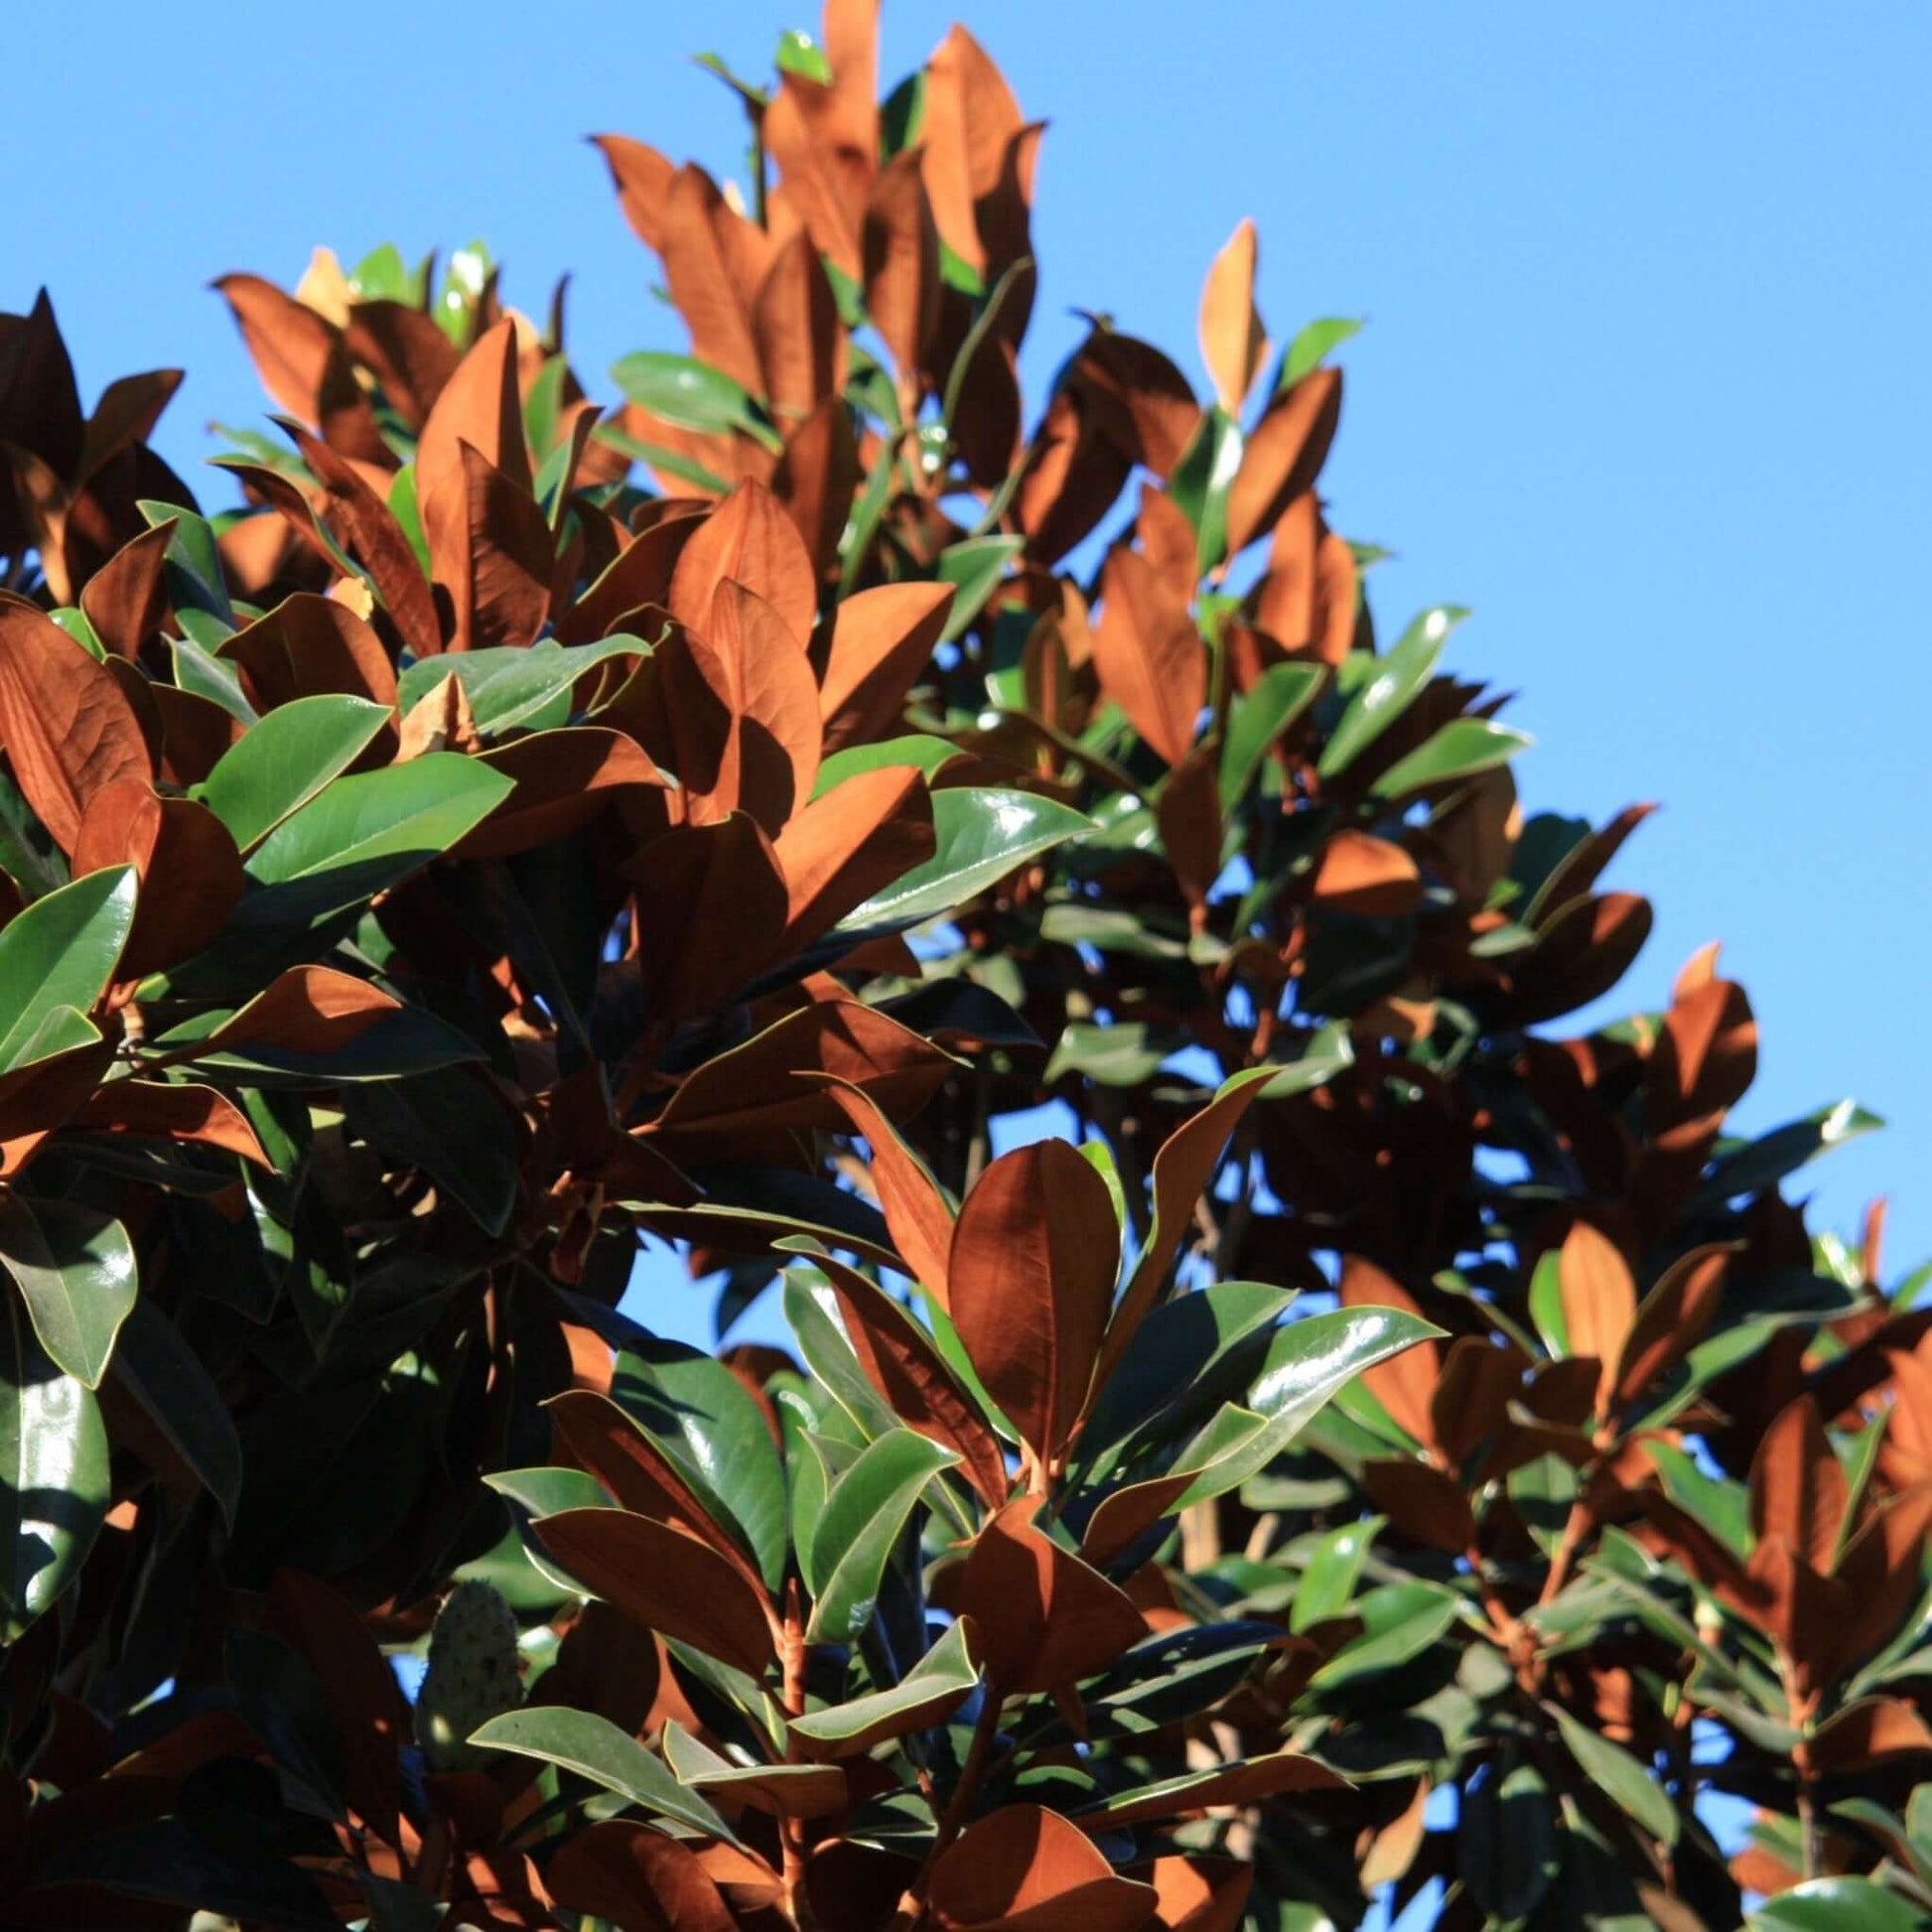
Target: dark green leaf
point(1459, 750)
point(61, 951)
point(75, 1271)
point(167, 1378)
point(863, 1519)
point(1389, 685)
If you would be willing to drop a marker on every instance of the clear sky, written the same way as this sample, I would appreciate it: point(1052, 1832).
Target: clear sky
point(1645, 380)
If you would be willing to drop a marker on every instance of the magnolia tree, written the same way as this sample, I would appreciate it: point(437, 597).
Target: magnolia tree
point(1386, 1450)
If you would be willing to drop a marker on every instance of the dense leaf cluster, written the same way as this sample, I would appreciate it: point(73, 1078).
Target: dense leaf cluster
point(1382, 1443)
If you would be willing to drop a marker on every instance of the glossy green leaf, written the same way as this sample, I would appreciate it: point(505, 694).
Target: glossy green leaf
point(75, 1270)
point(981, 833)
point(163, 1374)
point(1332, 1570)
point(1310, 1360)
point(363, 834)
point(1836, 1905)
point(515, 686)
point(1613, 1771)
point(943, 1678)
point(73, 621)
point(204, 675)
point(863, 1519)
point(594, 1748)
point(1203, 478)
point(706, 1419)
point(549, 1491)
point(1313, 342)
point(1120, 1054)
point(1459, 750)
point(53, 1475)
point(918, 749)
point(279, 765)
point(61, 951)
point(1546, 1304)
point(1399, 1623)
point(975, 569)
point(1256, 720)
point(447, 1124)
point(1389, 686)
point(691, 394)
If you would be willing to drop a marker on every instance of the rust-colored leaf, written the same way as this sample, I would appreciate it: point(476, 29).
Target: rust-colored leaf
point(66, 724)
point(156, 1110)
point(900, 253)
point(748, 540)
point(1421, 1503)
point(126, 598)
point(1404, 1384)
point(1190, 816)
point(1193, 1893)
point(1024, 1866)
point(642, 178)
point(478, 406)
point(1671, 1319)
point(638, 1879)
point(644, 1479)
point(1184, 1165)
point(902, 1364)
point(1599, 1302)
point(848, 842)
point(1285, 454)
point(1366, 876)
point(305, 1010)
point(666, 1579)
point(512, 558)
point(189, 870)
point(1798, 1490)
point(1307, 600)
point(970, 122)
point(309, 646)
point(407, 351)
point(715, 261)
point(800, 345)
point(1234, 344)
point(882, 640)
point(1148, 655)
point(564, 779)
point(758, 1087)
point(1869, 1733)
point(712, 906)
point(1031, 1278)
point(304, 366)
point(916, 1214)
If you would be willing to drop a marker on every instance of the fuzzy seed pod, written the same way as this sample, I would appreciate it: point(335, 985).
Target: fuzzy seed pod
point(472, 1676)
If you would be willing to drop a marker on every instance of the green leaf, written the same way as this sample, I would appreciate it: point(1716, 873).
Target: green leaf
point(1836, 1905)
point(1312, 344)
point(918, 749)
point(1768, 1160)
point(594, 1748)
point(443, 1121)
point(710, 1424)
point(194, 562)
point(1256, 720)
point(982, 834)
point(944, 1676)
point(1546, 1304)
point(975, 569)
point(1458, 750)
point(1616, 1773)
point(515, 686)
point(75, 1271)
point(53, 1476)
point(1203, 478)
point(691, 394)
point(812, 1313)
point(1389, 686)
point(1113, 1053)
point(279, 765)
point(199, 672)
point(1310, 1360)
point(167, 1378)
point(74, 623)
point(61, 951)
point(548, 1492)
point(1331, 1571)
point(1399, 1621)
point(1329, 1053)
point(799, 54)
point(1506, 1841)
point(363, 834)
point(863, 1519)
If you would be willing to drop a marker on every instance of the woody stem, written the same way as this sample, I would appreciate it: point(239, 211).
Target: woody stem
point(792, 1654)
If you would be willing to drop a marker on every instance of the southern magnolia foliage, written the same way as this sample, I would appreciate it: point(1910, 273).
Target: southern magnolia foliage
point(531, 827)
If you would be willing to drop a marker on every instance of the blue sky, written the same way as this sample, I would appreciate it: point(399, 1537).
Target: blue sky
point(1645, 379)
